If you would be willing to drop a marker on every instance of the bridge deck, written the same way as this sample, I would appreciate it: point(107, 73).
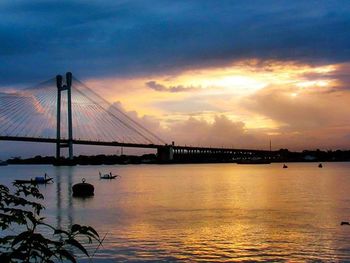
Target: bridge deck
point(121, 144)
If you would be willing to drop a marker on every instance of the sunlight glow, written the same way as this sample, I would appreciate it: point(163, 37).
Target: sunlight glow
point(235, 84)
point(204, 93)
point(319, 83)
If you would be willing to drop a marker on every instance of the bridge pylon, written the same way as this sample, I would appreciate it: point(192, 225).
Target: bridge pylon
point(60, 88)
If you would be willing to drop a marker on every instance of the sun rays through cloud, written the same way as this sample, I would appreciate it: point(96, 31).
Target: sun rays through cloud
point(270, 99)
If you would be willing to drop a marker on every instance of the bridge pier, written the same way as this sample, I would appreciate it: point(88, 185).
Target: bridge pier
point(165, 153)
point(58, 118)
point(60, 88)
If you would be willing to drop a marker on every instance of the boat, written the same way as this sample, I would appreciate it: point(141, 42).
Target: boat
point(107, 176)
point(320, 165)
point(83, 189)
point(285, 166)
point(36, 180)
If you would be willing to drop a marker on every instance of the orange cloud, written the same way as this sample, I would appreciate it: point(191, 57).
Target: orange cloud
point(299, 105)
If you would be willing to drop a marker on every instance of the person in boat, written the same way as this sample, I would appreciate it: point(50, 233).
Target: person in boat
point(36, 180)
point(108, 176)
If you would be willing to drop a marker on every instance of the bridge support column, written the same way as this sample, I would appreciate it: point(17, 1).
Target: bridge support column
point(60, 88)
point(70, 123)
point(165, 154)
point(58, 130)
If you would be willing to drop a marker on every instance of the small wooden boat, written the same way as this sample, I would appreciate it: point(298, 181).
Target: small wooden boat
point(107, 176)
point(320, 165)
point(83, 189)
point(285, 166)
point(36, 180)
point(344, 223)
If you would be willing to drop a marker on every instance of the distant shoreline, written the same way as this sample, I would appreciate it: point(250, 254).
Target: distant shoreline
point(281, 156)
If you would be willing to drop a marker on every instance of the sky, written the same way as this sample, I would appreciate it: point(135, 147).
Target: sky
point(203, 73)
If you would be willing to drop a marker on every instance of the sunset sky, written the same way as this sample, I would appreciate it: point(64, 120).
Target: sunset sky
point(215, 73)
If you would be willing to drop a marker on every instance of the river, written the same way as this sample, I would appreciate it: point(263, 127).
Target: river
point(205, 212)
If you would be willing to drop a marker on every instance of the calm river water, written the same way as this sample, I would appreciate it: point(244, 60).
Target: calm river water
point(205, 212)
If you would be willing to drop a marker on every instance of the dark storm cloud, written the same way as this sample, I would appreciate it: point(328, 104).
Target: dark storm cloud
point(125, 38)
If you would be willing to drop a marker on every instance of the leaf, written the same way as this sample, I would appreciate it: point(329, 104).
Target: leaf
point(5, 257)
point(64, 253)
point(76, 244)
point(60, 231)
point(91, 229)
point(22, 236)
point(75, 228)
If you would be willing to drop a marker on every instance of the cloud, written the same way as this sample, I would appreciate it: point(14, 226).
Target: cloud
point(25, 114)
point(149, 122)
point(306, 117)
point(221, 132)
point(340, 77)
point(180, 88)
point(128, 38)
point(193, 131)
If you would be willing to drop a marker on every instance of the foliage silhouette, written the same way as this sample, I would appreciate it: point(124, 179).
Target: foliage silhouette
point(18, 211)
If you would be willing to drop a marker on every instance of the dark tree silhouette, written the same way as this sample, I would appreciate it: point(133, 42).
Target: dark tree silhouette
point(17, 210)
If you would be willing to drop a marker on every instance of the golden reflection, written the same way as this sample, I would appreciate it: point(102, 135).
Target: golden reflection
point(226, 213)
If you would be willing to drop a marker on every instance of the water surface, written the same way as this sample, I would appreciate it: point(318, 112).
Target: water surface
point(205, 212)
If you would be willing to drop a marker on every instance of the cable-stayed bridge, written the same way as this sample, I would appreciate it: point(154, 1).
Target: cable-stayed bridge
point(65, 111)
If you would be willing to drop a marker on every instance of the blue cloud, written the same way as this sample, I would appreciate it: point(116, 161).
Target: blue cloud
point(124, 38)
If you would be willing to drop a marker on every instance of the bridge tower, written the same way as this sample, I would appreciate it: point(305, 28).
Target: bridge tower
point(60, 88)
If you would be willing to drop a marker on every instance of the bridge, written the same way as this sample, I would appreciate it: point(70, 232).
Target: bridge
point(65, 111)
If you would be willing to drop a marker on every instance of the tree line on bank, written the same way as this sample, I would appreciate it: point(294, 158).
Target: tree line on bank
point(282, 155)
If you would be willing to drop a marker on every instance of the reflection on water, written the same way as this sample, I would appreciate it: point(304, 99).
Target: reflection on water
point(58, 198)
point(210, 212)
point(68, 175)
